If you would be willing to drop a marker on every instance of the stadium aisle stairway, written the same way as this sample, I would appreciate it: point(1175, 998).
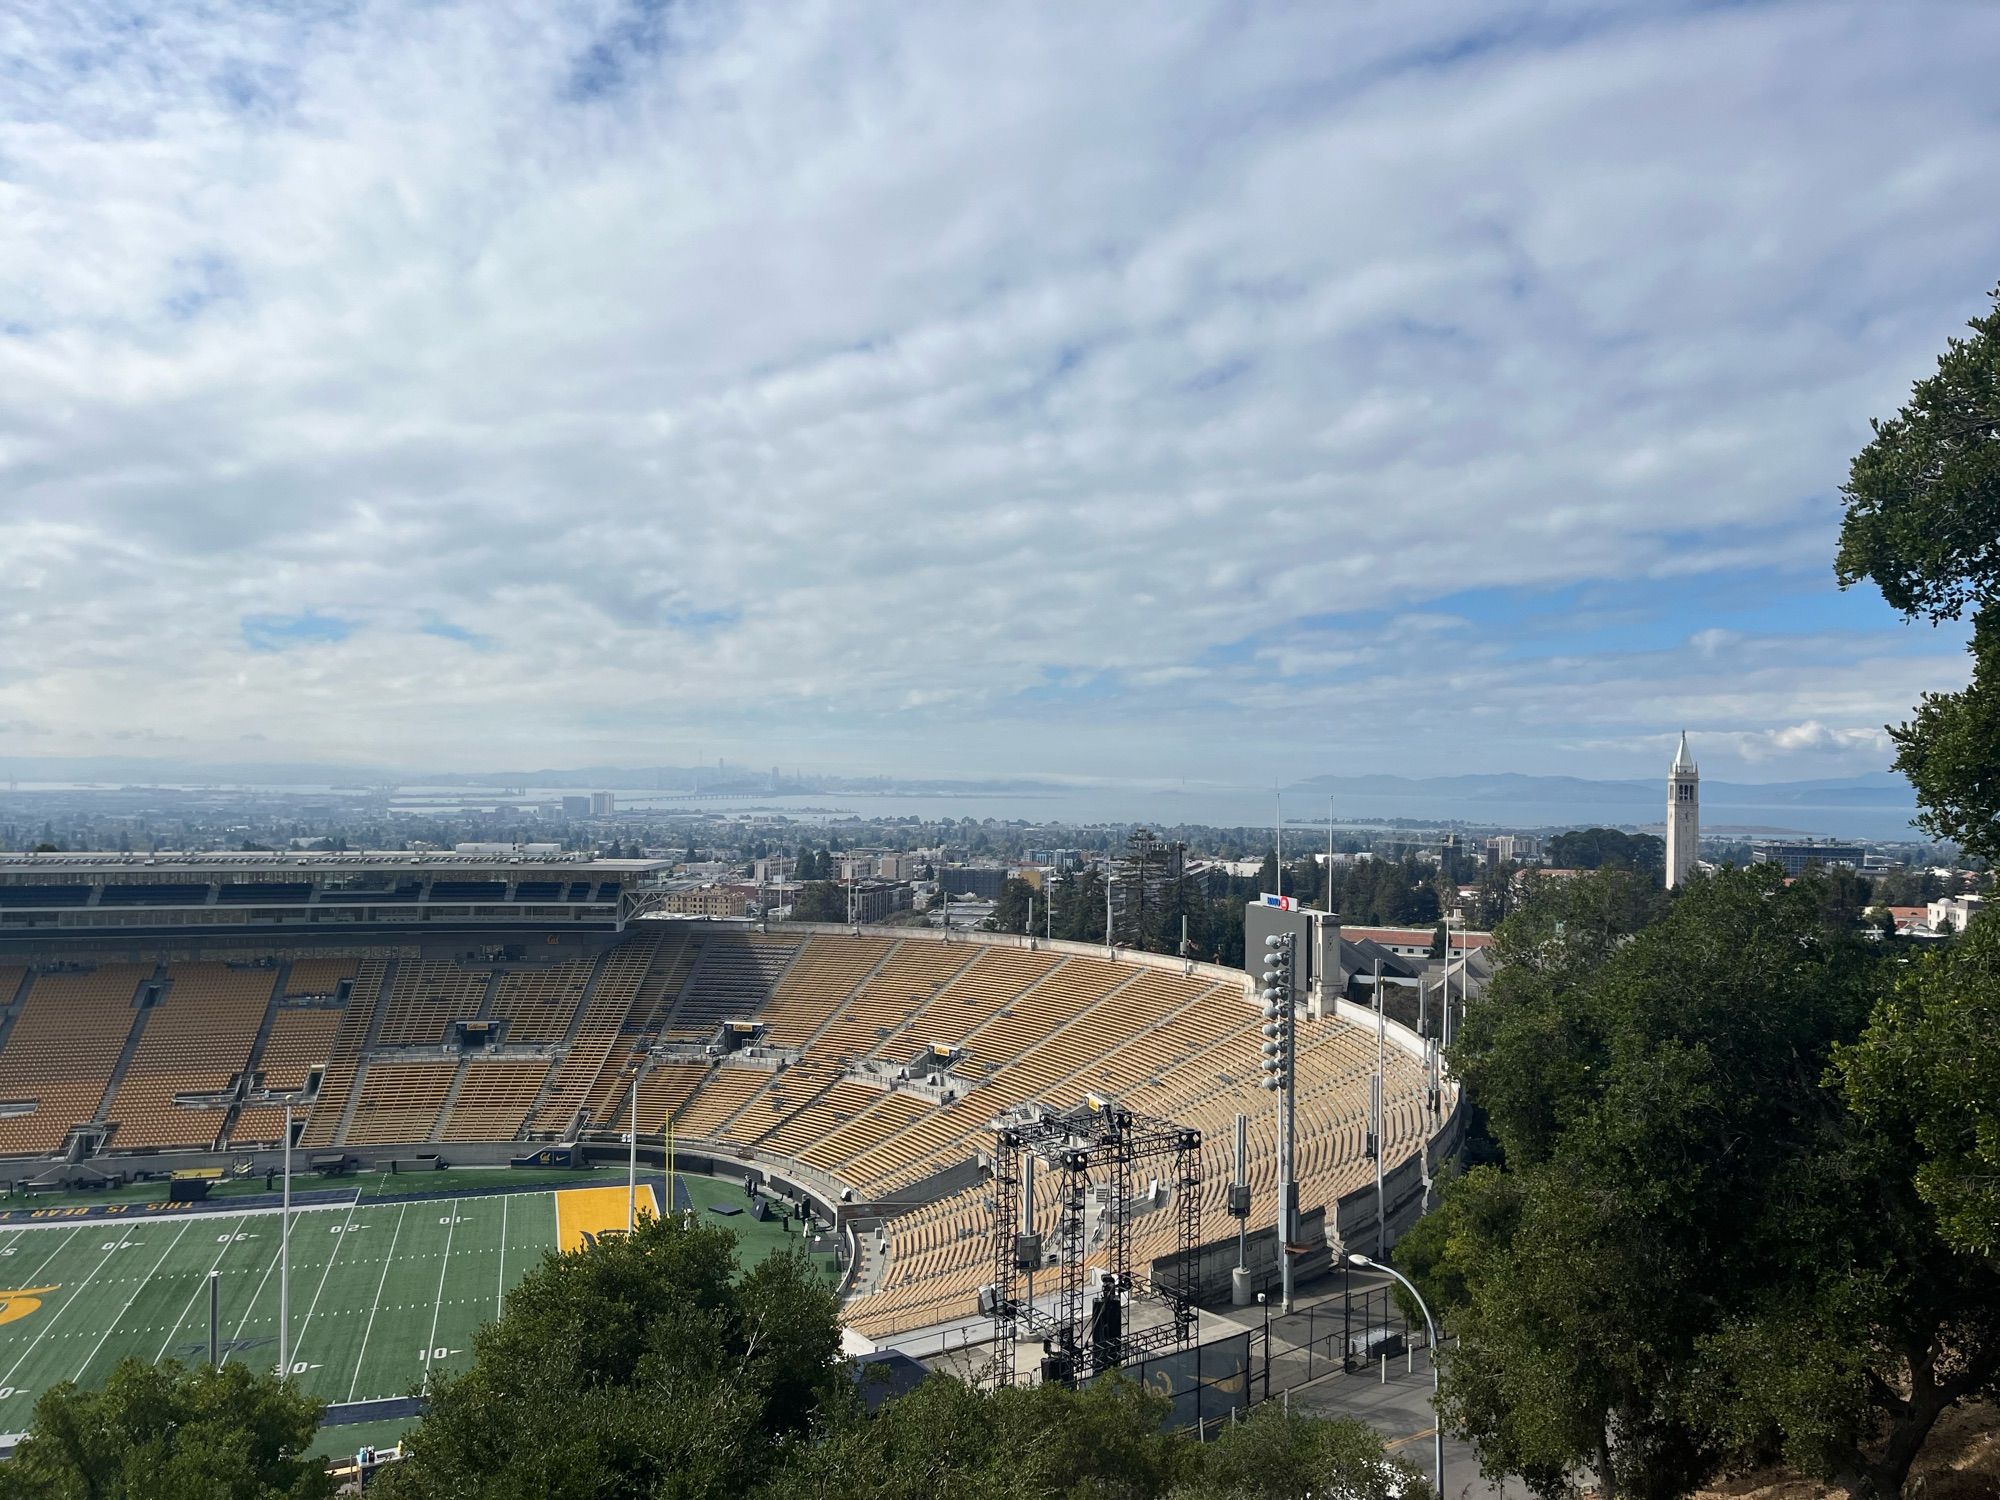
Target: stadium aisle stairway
point(197, 1040)
point(61, 1049)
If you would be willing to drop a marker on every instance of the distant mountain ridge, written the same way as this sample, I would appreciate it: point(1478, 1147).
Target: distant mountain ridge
point(1869, 791)
point(1883, 789)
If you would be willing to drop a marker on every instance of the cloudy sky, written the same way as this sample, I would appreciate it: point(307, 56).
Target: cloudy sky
point(1232, 392)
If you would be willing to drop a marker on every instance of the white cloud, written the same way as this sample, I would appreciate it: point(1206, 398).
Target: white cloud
point(833, 382)
point(1814, 736)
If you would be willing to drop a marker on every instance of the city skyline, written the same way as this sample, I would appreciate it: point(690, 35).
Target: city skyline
point(1237, 397)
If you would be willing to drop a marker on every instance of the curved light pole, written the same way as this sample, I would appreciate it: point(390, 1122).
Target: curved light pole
point(1437, 1436)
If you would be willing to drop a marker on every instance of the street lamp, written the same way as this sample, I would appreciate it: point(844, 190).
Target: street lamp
point(291, 1099)
point(632, 1160)
point(1437, 1437)
point(1265, 1306)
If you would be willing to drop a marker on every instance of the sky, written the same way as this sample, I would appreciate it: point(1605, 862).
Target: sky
point(1226, 392)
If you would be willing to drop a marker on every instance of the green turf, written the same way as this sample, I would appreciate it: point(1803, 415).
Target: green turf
point(380, 1293)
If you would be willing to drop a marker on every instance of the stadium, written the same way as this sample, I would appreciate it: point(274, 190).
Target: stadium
point(459, 1042)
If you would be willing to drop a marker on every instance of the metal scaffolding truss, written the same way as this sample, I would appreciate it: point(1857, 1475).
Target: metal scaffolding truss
point(1100, 1296)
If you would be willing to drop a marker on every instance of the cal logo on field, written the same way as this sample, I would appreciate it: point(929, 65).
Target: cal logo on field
point(18, 1304)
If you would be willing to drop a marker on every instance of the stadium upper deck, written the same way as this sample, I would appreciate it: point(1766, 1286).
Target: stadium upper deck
point(63, 895)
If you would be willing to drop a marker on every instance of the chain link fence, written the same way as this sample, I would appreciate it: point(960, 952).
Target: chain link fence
point(1362, 1332)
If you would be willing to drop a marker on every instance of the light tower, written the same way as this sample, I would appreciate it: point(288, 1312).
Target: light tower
point(1280, 1049)
point(1683, 815)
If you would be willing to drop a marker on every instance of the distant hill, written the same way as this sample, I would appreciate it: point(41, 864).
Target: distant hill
point(1874, 789)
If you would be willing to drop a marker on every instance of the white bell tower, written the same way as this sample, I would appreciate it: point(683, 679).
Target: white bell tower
point(1683, 816)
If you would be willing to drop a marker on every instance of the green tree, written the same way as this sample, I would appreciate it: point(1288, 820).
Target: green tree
point(820, 901)
point(1695, 1254)
point(1601, 848)
point(1927, 1070)
point(640, 1365)
point(1010, 912)
point(1923, 524)
point(170, 1432)
point(1276, 1455)
point(1908, 888)
point(945, 1441)
point(1079, 902)
point(1845, 898)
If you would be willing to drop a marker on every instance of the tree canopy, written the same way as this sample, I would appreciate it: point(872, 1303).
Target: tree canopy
point(1608, 848)
point(1923, 524)
point(1927, 1071)
point(638, 1366)
point(820, 901)
point(169, 1431)
point(1694, 1253)
point(650, 1367)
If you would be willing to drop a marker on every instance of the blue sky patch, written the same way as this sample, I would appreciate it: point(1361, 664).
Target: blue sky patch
point(444, 630)
point(283, 632)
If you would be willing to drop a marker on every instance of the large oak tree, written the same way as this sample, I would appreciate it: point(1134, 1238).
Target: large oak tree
point(1695, 1252)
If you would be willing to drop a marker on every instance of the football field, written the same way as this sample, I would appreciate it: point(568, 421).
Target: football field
point(381, 1294)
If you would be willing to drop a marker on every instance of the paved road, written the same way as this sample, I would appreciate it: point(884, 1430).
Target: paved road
point(1401, 1412)
point(1398, 1408)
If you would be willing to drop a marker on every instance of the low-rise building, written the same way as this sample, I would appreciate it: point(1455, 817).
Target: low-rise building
point(706, 901)
point(878, 900)
point(1957, 911)
point(1512, 849)
point(1415, 942)
point(1796, 856)
point(983, 881)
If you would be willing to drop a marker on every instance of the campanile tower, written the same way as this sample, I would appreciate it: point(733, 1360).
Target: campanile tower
point(1683, 815)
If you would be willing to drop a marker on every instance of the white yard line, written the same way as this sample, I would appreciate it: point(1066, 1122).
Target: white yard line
point(36, 1275)
point(387, 1261)
point(251, 1306)
point(300, 1342)
point(438, 1311)
point(50, 1322)
point(171, 1244)
point(500, 1296)
point(200, 1287)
